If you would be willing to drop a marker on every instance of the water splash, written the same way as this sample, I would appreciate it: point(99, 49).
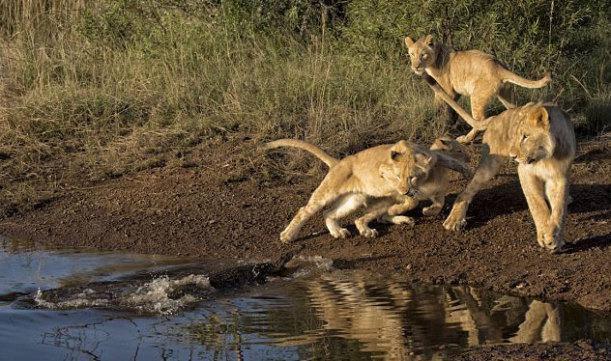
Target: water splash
point(79, 300)
point(162, 295)
point(157, 295)
point(307, 265)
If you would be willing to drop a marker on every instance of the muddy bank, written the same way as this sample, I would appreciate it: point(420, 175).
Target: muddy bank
point(228, 204)
point(580, 350)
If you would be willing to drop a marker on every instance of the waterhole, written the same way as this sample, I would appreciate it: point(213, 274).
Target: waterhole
point(66, 305)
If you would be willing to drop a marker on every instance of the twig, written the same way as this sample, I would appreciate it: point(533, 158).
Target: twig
point(583, 86)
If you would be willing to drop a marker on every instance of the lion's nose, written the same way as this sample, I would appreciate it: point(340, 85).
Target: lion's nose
point(412, 192)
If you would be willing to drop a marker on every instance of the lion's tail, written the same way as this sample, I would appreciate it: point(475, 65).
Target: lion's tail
point(511, 77)
point(294, 143)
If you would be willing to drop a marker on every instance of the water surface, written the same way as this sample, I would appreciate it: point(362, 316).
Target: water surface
point(326, 315)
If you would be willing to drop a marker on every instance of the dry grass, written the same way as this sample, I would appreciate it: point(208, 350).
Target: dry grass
point(93, 90)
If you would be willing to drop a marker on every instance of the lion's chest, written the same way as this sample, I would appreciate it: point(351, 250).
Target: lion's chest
point(464, 87)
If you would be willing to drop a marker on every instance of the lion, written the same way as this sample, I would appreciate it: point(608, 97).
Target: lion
point(376, 178)
point(433, 187)
point(541, 139)
point(469, 73)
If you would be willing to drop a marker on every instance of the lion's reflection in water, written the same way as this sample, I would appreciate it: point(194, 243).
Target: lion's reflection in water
point(396, 322)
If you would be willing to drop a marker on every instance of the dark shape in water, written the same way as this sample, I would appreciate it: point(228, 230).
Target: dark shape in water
point(157, 292)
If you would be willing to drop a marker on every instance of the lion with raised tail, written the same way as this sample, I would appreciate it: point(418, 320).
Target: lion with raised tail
point(469, 73)
point(376, 178)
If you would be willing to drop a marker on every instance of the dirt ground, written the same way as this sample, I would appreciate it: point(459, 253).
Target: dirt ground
point(228, 204)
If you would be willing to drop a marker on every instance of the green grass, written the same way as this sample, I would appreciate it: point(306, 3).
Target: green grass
point(92, 90)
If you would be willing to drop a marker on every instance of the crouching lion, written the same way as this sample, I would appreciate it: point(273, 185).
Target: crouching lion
point(378, 178)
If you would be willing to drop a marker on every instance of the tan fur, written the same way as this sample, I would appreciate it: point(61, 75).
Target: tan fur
point(329, 160)
point(377, 177)
point(540, 138)
point(435, 185)
point(469, 73)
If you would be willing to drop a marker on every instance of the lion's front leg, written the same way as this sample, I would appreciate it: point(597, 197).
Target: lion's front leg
point(557, 194)
point(456, 219)
point(487, 169)
point(450, 114)
point(534, 192)
point(406, 204)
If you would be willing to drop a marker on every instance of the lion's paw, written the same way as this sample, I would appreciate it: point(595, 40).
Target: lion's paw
point(340, 233)
point(455, 224)
point(408, 221)
point(368, 232)
point(286, 236)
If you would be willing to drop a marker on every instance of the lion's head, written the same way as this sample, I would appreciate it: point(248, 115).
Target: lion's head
point(407, 166)
point(533, 140)
point(422, 53)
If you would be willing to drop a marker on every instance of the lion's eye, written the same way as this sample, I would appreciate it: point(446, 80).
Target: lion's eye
point(524, 137)
point(424, 56)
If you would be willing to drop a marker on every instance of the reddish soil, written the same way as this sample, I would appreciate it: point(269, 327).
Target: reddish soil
point(232, 204)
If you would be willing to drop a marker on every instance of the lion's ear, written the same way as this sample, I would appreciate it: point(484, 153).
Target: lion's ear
point(424, 159)
point(539, 118)
point(409, 41)
point(445, 141)
point(428, 40)
point(398, 149)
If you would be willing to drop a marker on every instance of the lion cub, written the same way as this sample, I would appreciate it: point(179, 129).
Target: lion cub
point(376, 178)
point(435, 185)
point(541, 139)
point(470, 73)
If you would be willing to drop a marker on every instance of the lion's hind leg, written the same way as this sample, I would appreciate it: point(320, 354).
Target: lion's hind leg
point(478, 111)
point(344, 206)
point(322, 196)
point(375, 211)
